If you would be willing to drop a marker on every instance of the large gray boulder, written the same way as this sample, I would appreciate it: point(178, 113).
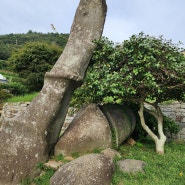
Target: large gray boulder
point(121, 119)
point(91, 169)
point(89, 130)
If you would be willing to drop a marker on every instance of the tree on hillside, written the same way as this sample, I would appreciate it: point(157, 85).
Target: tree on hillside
point(144, 69)
point(32, 61)
point(5, 51)
point(10, 42)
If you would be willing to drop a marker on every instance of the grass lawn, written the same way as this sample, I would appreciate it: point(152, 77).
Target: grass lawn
point(23, 98)
point(168, 169)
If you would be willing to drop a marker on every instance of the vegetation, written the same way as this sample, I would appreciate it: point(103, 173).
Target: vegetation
point(144, 69)
point(13, 88)
point(10, 42)
point(31, 62)
point(22, 98)
point(4, 95)
point(139, 134)
point(164, 170)
point(12, 46)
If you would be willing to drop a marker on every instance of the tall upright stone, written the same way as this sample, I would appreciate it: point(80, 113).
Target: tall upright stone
point(29, 138)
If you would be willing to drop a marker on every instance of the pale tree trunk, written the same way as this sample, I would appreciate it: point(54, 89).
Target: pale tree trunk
point(28, 139)
point(161, 139)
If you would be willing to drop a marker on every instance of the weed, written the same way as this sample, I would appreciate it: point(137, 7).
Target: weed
point(44, 178)
point(96, 150)
point(59, 157)
point(114, 138)
point(75, 155)
point(26, 181)
point(40, 166)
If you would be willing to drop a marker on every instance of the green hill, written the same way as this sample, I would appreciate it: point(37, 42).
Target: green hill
point(12, 41)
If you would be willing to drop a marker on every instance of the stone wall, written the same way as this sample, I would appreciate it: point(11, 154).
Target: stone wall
point(175, 110)
point(10, 110)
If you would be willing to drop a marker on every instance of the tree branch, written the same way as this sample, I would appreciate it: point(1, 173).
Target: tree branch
point(145, 127)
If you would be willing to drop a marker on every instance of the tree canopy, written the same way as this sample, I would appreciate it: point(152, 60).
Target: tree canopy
point(143, 69)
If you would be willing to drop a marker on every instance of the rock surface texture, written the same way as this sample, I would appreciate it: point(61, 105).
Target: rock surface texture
point(30, 137)
point(92, 129)
point(88, 131)
point(122, 121)
point(91, 169)
point(131, 165)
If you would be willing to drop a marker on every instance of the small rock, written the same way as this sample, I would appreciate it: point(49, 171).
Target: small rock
point(52, 164)
point(131, 165)
point(91, 169)
point(131, 142)
point(68, 158)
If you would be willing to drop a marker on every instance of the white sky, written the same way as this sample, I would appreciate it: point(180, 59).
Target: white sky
point(124, 17)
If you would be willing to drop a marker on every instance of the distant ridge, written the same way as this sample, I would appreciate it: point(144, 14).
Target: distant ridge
point(9, 42)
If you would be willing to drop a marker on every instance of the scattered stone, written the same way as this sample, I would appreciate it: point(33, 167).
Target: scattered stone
point(131, 165)
point(91, 169)
point(69, 158)
point(52, 164)
point(131, 142)
point(111, 153)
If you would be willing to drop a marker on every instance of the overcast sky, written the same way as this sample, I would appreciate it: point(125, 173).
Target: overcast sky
point(124, 17)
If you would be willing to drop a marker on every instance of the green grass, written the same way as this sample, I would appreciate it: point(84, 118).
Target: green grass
point(168, 169)
point(23, 98)
point(9, 75)
point(45, 177)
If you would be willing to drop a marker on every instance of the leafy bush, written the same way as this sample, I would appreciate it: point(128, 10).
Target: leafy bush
point(4, 95)
point(170, 126)
point(32, 61)
point(3, 64)
point(144, 70)
point(15, 88)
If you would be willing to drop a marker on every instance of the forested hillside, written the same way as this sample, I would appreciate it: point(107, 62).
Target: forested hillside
point(12, 41)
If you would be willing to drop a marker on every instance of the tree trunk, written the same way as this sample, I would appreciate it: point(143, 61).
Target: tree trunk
point(28, 139)
point(159, 141)
point(160, 145)
point(162, 138)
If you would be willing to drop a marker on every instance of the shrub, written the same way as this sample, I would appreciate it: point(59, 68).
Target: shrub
point(32, 61)
point(14, 88)
point(4, 95)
